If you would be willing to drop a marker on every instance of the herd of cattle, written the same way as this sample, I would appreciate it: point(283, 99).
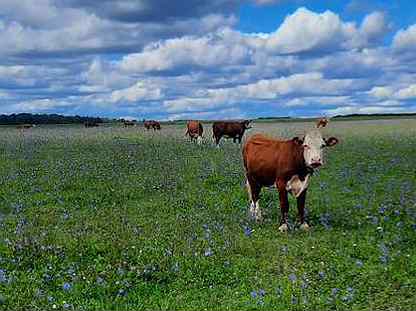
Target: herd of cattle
point(286, 164)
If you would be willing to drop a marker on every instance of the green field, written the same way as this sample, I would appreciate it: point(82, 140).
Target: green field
point(122, 219)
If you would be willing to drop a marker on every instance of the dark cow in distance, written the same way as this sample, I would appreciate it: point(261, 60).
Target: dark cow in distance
point(194, 129)
point(91, 124)
point(230, 129)
point(129, 123)
point(24, 126)
point(155, 125)
point(322, 123)
point(287, 164)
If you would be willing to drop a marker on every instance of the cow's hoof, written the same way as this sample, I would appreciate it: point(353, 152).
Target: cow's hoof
point(305, 227)
point(283, 228)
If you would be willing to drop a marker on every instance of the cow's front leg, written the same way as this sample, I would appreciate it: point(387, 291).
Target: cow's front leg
point(301, 210)
point(284, 204)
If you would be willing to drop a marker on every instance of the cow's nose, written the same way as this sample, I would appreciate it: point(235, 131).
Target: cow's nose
point(316, 163)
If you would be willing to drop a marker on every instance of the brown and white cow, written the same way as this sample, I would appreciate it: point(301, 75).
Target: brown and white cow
point(322, 123)
point(230, 129)
point(194, 130)
point(287, 164)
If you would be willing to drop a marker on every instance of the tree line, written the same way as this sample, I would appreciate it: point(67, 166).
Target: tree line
point(29, 118)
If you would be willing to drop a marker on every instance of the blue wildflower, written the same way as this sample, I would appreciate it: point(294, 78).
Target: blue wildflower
point(359, 263)
point(208, 252)
point(247, 231)
point(292, 277)
point(3, 277)
point(66, 287)
point(321, 274)
point(253, 294)
point(334, 291)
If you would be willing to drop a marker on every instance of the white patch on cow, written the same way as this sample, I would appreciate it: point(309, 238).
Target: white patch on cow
point(199, 140)
point(296, 186)
point(257, 212)
point(283, 228)
point(313, 148)
point(249, 190)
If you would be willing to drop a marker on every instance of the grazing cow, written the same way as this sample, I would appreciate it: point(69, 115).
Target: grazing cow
point(322, 123)
point(156, 125)
point(24, 126)
point(91, 124)
point(194, 130)
point(230, 129)
point(129, 123)
point(288, 164)
point(151, 124)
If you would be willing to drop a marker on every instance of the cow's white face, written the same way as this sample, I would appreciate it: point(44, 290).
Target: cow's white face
point(313, 145)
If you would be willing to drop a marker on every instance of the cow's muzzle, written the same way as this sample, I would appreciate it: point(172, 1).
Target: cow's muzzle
point(316, 164)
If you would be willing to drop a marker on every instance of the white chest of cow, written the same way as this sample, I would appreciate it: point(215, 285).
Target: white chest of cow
point(296, 186)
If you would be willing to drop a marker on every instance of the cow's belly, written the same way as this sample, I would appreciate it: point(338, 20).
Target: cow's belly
point(296, 186)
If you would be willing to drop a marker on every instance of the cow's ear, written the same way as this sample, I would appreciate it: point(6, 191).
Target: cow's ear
point(331, 141)
point(297, 140)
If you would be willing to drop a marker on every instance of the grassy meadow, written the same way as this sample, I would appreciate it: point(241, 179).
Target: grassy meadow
point(114, 218)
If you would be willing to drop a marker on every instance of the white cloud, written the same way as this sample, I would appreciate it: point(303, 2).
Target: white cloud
point(206, 51)
point(405, 39)
point(406, 93)
point(364, 110)
point(263, 90)
point(381, 92)
point(139, 91)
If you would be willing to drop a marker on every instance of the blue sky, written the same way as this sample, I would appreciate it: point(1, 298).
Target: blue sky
point(207, 59)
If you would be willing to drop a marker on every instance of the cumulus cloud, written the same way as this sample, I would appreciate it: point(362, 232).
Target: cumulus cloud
point(307, 31)
point(139, 91)
point(381, 92)
point(206, 51)
point(263, 90)
point(407, 93)
point(405, 39)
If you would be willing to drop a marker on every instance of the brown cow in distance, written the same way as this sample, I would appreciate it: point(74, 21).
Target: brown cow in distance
point(230, 129)
point(24, 126)
point(287, 164)
point(194, 130)
point(322, 122)
point(155, 125)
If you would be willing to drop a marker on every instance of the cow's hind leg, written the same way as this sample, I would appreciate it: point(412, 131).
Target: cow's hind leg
point(253, 190)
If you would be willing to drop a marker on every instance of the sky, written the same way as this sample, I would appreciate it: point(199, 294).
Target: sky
point(207, 59)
